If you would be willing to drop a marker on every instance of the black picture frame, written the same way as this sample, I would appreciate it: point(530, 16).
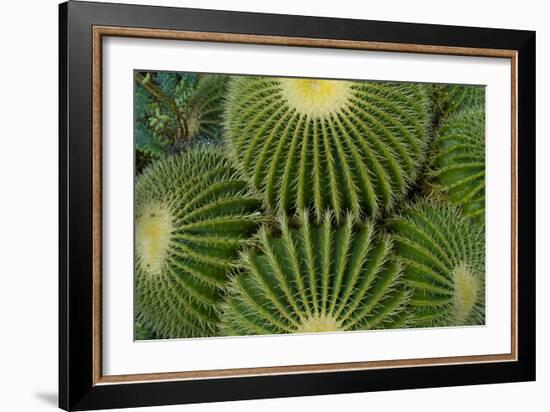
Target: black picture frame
point(77, 390)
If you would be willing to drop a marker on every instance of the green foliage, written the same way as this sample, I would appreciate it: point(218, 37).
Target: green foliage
point(443, 255)
point(316, 279)
point(459, 164)
point(193, 215)
point(175, 109)
point(344, 146)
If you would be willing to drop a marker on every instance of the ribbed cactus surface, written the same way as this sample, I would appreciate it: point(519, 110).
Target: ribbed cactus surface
point(443, 257)
point(459, 164)
point(450, 99)
point(205, 107)
point(344, 146)
point(316, 278)
point(193, 215)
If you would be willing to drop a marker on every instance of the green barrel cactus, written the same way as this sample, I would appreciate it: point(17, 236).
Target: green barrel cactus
point(193, 215)
point(443, 257)
point(459, 164)
point(346, 146)
point(205, 107)
point(315, 278)
point(451, 98)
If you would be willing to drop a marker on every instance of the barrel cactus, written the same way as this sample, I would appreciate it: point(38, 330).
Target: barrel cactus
point(443, 257)
point(451, 98)
point(459, 164)
point(316, 278)
point(193, 215)
point(205, 108)
point(345, 146)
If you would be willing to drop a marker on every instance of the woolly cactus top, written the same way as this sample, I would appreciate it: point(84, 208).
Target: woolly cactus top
point(154, 227)
point(316, 98)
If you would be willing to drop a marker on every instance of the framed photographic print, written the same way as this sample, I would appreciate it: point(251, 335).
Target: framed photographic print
point(257, 205)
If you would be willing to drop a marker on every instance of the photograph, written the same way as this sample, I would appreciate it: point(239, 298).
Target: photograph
point(281, 205)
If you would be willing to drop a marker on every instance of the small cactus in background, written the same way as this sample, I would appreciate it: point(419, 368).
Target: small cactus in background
point(443, 257)
point(345, 146)
point(459, 163)
point(316, 278)
point(205, 108)
point(450, 99)
point(193, 215)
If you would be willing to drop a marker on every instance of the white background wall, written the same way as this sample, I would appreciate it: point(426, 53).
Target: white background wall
point(28, 203)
